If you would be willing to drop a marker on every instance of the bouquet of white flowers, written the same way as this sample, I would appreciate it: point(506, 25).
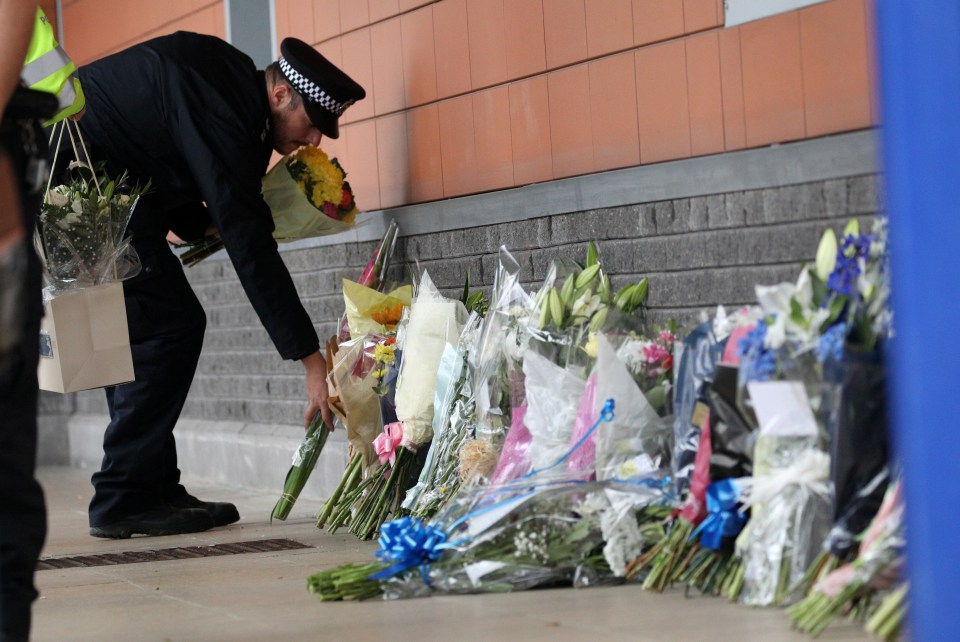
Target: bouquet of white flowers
point(81, 234)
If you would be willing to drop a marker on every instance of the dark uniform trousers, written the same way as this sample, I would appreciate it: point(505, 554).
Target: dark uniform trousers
point(23, 524)
point(166, 322)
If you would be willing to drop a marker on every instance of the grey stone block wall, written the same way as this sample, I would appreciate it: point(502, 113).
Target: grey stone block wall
point(698, 252)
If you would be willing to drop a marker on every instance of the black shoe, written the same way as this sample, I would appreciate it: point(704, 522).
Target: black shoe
point(223, 513)
point(160, 521)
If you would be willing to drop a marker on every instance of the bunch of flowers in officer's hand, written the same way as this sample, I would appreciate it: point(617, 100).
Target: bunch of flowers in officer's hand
point(82, 229)
point(308, 196)
point(322, 180)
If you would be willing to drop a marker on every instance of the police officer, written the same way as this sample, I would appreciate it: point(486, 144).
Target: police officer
point(28, 53)
point(193, 114)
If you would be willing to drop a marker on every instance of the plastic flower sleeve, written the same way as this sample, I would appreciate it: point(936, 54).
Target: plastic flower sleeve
point(517, 537)
point(449, 376)
point(582, 462)
point(701, 351)
point(496, 362)
point(859, 447)
point(786, 536)
point(457, 419)
point(637, 442)
point(82, 237)
point(790, 514)
point(553, 396)
point(732, 437)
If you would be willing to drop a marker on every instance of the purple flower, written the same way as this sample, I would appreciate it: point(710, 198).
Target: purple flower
point(843, 279)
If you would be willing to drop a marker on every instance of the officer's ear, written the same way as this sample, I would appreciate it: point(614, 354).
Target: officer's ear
point(279, 94)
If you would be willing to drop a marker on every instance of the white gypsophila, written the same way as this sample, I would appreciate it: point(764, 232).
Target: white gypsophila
point(533, 544)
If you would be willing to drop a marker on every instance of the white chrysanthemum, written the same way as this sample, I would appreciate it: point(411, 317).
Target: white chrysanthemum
point(618, 523)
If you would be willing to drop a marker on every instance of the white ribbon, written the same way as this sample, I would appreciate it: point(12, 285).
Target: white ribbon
point(811, 469)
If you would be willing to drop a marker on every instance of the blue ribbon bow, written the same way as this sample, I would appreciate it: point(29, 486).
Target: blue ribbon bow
point(408, 542)
point(724, 519)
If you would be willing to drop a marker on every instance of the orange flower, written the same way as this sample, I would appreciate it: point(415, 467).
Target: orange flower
point(388, 316)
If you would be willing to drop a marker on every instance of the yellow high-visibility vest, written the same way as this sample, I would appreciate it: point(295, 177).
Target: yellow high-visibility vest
point(48, 68)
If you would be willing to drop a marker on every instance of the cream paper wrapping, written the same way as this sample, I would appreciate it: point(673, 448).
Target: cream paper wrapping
point(435, 322)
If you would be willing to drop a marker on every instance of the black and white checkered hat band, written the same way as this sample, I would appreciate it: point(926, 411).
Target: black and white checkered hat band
point(310, 89)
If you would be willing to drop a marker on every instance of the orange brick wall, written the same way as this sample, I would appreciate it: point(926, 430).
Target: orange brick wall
point(467, 96)
point(93, 29)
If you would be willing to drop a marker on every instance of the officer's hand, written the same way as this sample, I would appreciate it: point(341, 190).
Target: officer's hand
point(317, 392)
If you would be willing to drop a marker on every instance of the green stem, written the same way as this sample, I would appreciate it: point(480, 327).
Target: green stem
point(348, 479)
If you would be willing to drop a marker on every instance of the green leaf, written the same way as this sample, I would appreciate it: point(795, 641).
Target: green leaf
point(820, 291)
point(466, 288)
point(796, 313)
point(593, 254)
point(835, 308)
point(605, 289)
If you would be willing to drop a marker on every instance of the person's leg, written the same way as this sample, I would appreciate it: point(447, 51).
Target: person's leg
point(23, 522)
point(166, 325)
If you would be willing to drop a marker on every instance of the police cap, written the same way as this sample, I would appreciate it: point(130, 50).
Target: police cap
point(325, 89)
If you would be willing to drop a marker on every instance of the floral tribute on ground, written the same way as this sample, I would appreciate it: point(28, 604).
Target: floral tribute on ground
point(556, 437)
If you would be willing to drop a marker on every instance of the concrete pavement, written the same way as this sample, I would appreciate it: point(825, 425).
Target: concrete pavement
point(263, 596)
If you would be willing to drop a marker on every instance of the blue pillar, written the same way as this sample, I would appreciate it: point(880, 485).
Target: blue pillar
point(919, 48)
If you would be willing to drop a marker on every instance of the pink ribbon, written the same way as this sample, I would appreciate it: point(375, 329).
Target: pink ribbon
point(386, 442)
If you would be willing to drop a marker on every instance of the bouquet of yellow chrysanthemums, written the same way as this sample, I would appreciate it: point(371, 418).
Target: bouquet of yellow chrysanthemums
point(308, 196)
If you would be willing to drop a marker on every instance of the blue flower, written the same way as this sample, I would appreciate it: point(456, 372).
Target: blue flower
point(843, 279)
point(759, 360)
point(831, 343)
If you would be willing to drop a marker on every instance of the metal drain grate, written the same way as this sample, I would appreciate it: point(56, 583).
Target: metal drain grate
point(168, 554)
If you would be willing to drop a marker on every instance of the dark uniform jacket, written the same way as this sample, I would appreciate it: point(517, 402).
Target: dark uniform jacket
point(190, 112)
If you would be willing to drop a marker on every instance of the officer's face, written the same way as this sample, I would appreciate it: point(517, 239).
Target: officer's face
point(292, 128)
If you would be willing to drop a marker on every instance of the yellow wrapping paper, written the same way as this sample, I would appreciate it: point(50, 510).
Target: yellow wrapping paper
point(372, 312)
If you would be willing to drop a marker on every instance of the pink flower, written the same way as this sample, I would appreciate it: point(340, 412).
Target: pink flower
point(330, 210)
point(386, 442)
point(666, 337)
point(367, 277)
point(654, 353)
